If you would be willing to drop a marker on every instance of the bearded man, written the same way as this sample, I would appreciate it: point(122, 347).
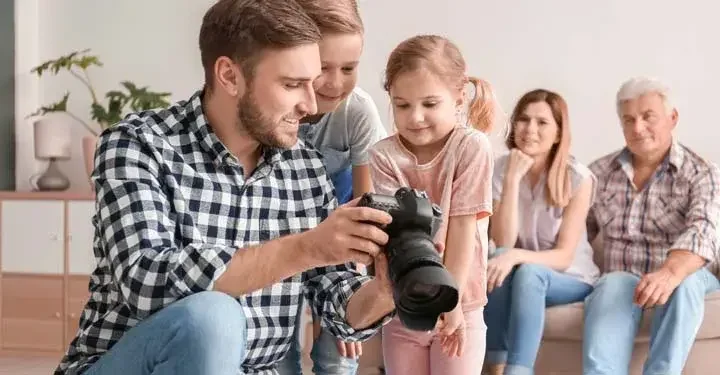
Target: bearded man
point(213, 220)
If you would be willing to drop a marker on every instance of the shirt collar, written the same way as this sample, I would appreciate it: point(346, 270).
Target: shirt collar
point(674, 158)
point(209, 140)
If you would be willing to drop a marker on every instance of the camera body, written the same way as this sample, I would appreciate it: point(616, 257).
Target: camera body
point(422, 287)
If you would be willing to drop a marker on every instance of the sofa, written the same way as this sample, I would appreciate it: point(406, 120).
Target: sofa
point(561, 347)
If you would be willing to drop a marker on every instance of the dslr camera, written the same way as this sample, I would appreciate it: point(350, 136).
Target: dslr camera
point(422, 287)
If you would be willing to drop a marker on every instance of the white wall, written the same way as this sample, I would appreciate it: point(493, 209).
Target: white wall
point(151, 43)
point(582, 50)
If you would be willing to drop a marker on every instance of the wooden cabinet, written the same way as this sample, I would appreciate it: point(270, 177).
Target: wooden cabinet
point(32, 236)
point(46, 258)
point(81, 260)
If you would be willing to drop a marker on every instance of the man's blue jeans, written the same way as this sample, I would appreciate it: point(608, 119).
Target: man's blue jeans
point(201, 334)
point(612, 320)
point(325, 356)
point(515, 313)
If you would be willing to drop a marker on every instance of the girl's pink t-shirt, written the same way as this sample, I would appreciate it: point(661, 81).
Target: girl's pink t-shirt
point(458, 179)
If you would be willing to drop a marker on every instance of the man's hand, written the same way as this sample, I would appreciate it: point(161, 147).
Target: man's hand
point(499, 268)
point(382, 275)
point(451, 329)
point(349, 234)
point(349, 349)
point(655, 288)
point(374, 299)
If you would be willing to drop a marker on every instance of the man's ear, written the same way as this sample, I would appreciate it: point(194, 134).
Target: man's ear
point(228, 76)
point(674, 117)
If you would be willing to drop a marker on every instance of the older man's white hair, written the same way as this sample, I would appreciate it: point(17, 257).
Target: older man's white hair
point(639, 86)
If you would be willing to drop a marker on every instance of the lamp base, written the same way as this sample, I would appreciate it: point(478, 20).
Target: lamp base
point(52, 179)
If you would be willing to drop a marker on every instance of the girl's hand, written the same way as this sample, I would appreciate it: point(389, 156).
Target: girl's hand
point(499, 268)
point(451, 330)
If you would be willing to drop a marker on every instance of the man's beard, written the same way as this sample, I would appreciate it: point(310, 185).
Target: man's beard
point(257, 125)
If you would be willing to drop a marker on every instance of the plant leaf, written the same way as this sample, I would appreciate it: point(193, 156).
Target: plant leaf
point(59, 106)
point(79, 59)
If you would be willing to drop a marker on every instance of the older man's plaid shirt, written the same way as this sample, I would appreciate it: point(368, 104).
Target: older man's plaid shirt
point(679, 209)
point(173, 206)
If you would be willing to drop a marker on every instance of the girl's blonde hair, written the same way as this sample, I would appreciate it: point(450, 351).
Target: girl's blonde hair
point(442, 57)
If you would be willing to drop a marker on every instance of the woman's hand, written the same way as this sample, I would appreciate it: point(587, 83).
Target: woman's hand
point(500, 267)
point(518, 165)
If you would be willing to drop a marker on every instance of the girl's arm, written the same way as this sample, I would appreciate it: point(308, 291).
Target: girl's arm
point(460, 246)
point(470, 207)
point(571, 229)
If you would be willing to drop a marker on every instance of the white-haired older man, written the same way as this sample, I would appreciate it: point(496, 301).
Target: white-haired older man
point(657, 210)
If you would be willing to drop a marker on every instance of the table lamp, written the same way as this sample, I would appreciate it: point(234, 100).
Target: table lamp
point(52, 143)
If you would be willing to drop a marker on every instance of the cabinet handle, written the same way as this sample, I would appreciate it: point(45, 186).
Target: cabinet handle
point(57, 315)
point(53, 237)
point(69, 237)
point(72, 315)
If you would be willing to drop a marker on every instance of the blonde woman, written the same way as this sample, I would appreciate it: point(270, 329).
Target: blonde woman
point(541, 197)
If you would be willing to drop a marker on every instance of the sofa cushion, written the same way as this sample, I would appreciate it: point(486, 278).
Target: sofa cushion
point(566, 322)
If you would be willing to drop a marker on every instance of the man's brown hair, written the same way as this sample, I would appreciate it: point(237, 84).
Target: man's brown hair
point(334, 16)
point(243, 29)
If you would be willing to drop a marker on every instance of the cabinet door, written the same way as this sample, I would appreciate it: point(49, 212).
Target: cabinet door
point(32, 236)
point(32, 313)
point(78, 295)
point(81, 232)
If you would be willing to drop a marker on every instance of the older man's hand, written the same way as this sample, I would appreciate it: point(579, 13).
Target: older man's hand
point(655, 288)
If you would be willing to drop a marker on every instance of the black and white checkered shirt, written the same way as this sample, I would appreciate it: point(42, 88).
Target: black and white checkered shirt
point(173, 206)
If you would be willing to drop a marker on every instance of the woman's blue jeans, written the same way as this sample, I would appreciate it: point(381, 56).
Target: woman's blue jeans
point(515, 313)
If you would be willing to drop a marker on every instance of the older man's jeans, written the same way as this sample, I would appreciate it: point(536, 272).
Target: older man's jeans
point(612, 320)
point(201, 334)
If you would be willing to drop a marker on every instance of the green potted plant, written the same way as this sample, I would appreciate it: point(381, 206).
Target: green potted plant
point(105, 111)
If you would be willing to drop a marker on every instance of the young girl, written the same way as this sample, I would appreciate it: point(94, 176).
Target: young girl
point(346, 125)
point(541, 197)
point(436, 152)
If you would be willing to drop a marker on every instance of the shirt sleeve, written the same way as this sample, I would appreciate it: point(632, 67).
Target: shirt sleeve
point(365, 128)
point(472, 186)
point(136, 228)
point(701, 235)
point(591, 223)
point(330, 289)
point(498, 177)
point(578, 174)
point(383, 178)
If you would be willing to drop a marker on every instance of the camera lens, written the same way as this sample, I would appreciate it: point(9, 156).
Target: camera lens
point(421, 291)
point(423, 287)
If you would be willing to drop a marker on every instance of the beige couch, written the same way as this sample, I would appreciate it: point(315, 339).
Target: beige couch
point(561, 348)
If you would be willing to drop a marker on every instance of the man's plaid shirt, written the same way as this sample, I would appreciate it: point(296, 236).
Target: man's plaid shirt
point(173, 206)
point(678, 209)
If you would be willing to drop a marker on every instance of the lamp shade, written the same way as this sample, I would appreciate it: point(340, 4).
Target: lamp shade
point(52, 138)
